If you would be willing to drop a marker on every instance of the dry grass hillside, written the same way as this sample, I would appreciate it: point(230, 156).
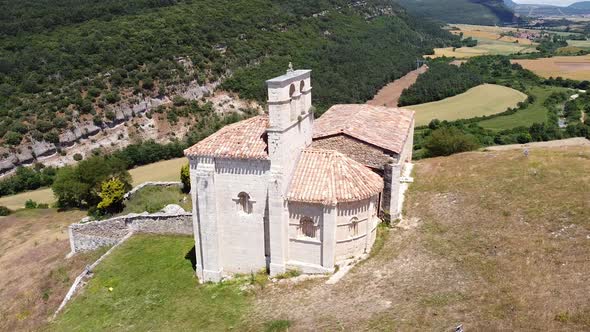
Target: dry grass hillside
point(492, 240)
point(34, 274)
point(495, 241)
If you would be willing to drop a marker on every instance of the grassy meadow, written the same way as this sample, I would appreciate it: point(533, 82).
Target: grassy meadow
point(153, 199)
point(535, 113)
point(167, 170)
point(491, 240)
point(585, 44)
point(153, 289)
point(486, 99)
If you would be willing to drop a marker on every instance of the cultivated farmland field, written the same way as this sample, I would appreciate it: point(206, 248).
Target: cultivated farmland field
point(574, 67)
point(579, 43)
point(167, 170)
point(490, 41)
point(486, 99)
point(534, 113)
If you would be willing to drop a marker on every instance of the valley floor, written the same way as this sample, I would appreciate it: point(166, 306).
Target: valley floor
point(491, 240)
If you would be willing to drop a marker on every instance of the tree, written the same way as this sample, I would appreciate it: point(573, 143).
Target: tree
point(523, 138)
point(13, 138)
point(446, 141)
point(79, 186)
point(185, 178)
point(68, 188)
point(112, 193)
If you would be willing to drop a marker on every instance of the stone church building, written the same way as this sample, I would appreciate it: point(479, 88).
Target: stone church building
point(283, 190)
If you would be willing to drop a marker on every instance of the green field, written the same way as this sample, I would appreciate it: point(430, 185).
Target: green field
point(154, 288)
point(579, 43)
point(167, 170)
point(535, 113)
point(486, 99)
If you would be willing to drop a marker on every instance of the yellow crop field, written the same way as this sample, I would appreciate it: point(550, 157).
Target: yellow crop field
point(490, 41)
point(574, 67)
point(167, 170)
point(492, 32)
point(486, 99)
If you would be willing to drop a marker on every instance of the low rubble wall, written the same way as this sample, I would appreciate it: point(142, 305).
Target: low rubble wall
point(95, 234)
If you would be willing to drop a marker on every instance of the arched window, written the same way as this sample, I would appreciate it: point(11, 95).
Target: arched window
point(301, 86)
point(244, 203)
point(307, 227)
point(353, 228)
point(291, 90)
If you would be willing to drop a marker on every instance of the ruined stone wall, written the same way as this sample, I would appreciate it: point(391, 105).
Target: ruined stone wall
point(100, 233)
point(364, 153)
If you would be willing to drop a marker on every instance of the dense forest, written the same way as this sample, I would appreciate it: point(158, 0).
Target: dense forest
point(442, 80)
point(64, 62)
point(445, 80)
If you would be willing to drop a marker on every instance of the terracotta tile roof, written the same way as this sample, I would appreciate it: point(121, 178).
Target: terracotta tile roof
point(329, 177)
point(385, 127)
point(242, 140)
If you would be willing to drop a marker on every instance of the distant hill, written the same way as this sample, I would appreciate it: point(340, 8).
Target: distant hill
point(537, 10)
point(510, 3)
point(583, 5)
point(485, 12)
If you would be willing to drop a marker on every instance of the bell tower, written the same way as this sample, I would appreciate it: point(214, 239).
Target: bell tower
point(290, 131)
point(289, 97)
point(290, 118)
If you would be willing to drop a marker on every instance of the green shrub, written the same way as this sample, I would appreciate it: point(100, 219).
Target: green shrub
point(112, 192)
point(78, 157)
point(30, 204)
point(446, 141)
point(185, 178)
point(4, 211)
point(277, 325)
point(290, 273)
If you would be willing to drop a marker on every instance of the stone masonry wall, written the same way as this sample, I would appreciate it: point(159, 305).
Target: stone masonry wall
point(366, 154)
point(100, 233)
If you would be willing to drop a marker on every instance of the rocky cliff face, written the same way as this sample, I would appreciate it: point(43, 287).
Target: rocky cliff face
point(130, 124)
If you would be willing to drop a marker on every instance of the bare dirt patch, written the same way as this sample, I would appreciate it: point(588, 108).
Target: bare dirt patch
point(500, 242)
point(389, 94)
point(34, 274)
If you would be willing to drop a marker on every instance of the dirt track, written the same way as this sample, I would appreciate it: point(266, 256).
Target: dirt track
point(577, 141)
point(389, 94)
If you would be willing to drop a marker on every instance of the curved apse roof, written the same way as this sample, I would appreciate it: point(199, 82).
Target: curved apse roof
point(329, 177)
